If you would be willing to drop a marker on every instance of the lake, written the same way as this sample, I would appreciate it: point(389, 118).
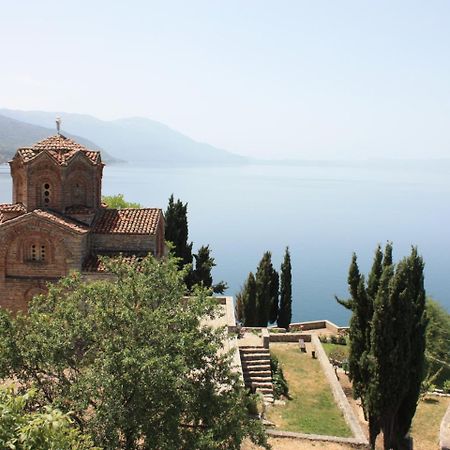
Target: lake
point(323, 213)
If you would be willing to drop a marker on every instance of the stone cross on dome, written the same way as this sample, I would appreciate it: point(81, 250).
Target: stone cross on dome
point(58, 124)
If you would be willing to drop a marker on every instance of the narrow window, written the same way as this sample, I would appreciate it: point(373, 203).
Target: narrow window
point(46, 194)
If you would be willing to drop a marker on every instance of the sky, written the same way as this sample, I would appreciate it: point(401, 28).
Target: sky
point(301, 79)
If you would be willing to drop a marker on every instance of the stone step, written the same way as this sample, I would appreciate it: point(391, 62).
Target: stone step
point(260, 384)
point(258, 373)
point(253, 349)
point(258, 379)
point(255, 362)
point(253, 356)
point(256, 368)
point(264, 390)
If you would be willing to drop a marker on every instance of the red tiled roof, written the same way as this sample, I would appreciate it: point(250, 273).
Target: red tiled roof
point(59, 147)
point(60, 220)
point(127, 221)
point(12, 207)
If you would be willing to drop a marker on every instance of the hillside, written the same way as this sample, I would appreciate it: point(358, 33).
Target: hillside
point(15, 134)
point(136, 140)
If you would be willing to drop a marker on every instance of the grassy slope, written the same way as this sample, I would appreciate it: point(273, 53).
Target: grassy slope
point(312, 408)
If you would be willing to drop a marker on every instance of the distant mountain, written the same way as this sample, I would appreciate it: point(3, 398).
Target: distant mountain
point(136, 140)
point(15, 134)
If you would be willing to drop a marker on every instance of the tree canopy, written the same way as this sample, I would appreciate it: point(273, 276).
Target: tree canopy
point(133, 360)
point(47, 428)
point(118, 202)
point(387, 342)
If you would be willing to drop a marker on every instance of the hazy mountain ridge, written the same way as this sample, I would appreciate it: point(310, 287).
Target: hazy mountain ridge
point(15, 133)
point(136, 139)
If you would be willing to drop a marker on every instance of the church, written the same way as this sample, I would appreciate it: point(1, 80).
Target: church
point(57, 223)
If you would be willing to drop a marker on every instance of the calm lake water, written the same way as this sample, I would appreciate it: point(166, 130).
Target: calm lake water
point(322, 213)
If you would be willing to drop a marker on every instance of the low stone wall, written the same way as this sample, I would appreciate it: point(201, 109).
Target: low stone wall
point(444, 434)
point(351, 442)
point(317, 325)
point(338, 393)
point(289, 337)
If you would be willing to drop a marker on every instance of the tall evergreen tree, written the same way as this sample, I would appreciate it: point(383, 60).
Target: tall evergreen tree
point(387, 343)
point(250, 303)
point(176, 230)
point(204, 263)
point(274, 295)
point(240, 307)
point(285, 310)
point(265, 291)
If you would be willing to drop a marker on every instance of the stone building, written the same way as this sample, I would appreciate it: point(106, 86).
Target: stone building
point(56, 222)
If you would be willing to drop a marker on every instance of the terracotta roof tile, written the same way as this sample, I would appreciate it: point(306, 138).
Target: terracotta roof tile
point(12, 207)
point(60, 220)
point(59, 147)
point(127, 221)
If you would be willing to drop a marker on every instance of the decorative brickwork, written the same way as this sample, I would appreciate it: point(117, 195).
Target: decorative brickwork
point(57, 224)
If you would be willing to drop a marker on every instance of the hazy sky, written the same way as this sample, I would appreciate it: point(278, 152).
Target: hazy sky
point(296, 79)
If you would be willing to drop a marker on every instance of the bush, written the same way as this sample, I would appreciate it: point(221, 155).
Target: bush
point(334, 339)
point(323, 339)
point(447, 386)
point(280, 386)
point(341, 340)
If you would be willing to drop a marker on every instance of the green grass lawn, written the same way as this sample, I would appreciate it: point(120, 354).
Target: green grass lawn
point(312, 408)
point(336, 347)
point(427, 421)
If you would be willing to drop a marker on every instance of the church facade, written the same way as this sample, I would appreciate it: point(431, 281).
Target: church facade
point(57, 223)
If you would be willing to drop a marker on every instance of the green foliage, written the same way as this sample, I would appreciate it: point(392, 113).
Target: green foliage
point(387, 342)
point(285, 310)
point(447, 386)
point(249, 301)
point(44, 429)
point(118, 202)
point(133, 360)
point(438, 331)
point(176, 230)
point(201, 275)
point(266, 290)
point(177, 233)
point(280, 385)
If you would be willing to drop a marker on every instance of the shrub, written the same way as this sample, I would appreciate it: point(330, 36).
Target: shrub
point(447, 386)
point(280, 386)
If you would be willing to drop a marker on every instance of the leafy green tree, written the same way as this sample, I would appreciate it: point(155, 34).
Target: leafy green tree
point(438, 332)
point(265, 290)
point(202, 276)
point(132, 359)
point(48, 428)
point(285, 310)
point(118, 202)
point(176, 231)
point(249, 302)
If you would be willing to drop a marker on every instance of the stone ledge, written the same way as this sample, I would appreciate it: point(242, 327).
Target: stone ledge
point(318, 437)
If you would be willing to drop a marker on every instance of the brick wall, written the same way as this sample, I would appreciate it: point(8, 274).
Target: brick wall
point(140, 243)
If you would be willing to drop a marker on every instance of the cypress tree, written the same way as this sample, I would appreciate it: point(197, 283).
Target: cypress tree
point(274, 295)
point(204, 263)
point(387, 343)
point(176, 230)
point(240, 307)
point(250, 303)
point(264, 289)
point(285, 310)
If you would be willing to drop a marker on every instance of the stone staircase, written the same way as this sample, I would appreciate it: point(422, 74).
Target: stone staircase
point(255, 362)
